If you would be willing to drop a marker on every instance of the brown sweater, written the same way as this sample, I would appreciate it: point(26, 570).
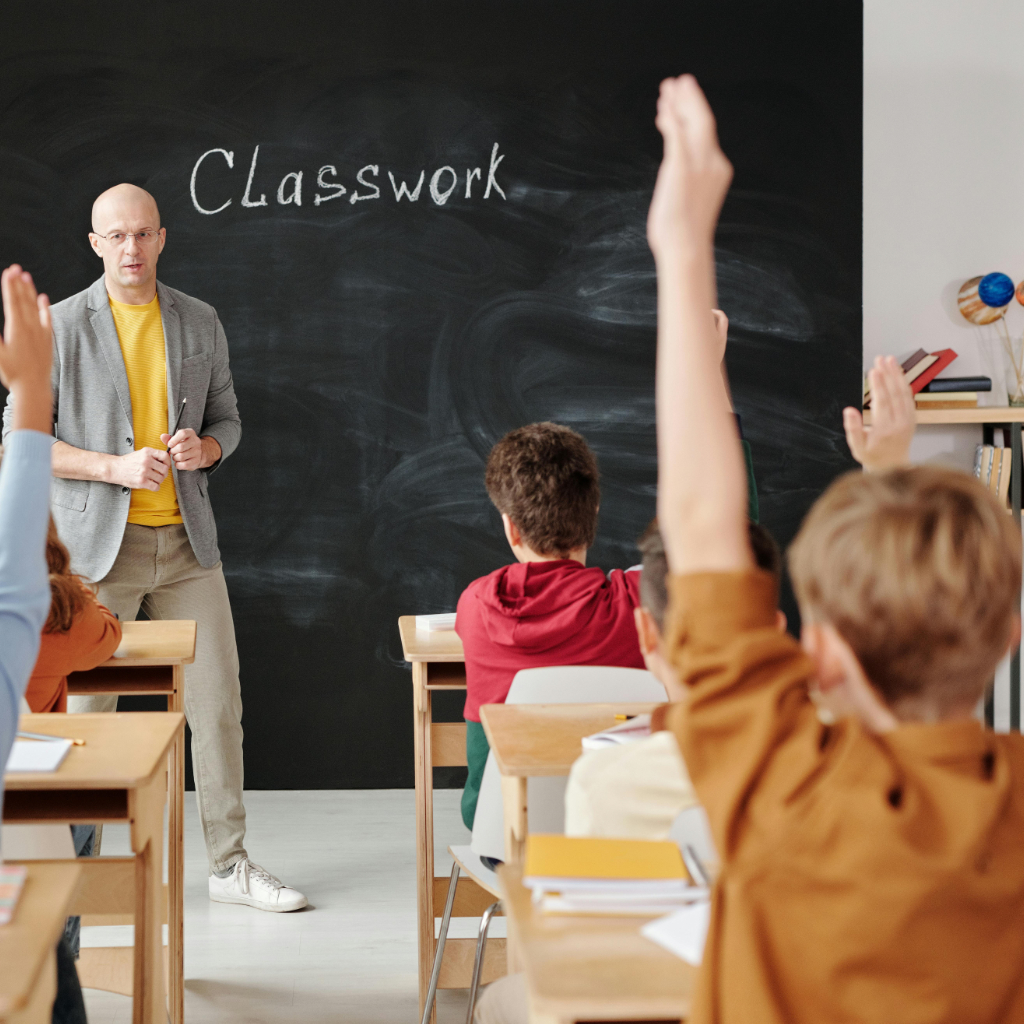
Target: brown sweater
point(92, 638)
point(864, 878)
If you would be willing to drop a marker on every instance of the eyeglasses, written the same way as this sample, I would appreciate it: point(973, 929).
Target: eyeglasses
point(143, 237)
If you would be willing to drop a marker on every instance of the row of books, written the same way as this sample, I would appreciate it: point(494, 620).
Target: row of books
point(992, 467)
point(922, 370)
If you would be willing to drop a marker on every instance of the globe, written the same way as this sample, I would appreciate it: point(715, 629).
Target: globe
point(995, 290)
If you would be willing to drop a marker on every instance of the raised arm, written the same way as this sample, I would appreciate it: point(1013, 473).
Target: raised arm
point(25, 356)
point(702, 499)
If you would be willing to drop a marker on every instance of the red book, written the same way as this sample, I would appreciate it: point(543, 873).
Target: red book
point(945, 357)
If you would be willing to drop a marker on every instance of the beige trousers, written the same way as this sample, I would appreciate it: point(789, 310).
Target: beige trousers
point(156, 570)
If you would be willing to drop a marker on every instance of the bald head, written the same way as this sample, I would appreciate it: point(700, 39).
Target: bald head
point(126, 233)
point(124, 202)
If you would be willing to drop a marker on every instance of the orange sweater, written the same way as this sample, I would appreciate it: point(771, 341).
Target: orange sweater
point(92, 638)
point(864, 877)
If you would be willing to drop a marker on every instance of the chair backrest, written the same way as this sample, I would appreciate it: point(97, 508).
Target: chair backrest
point(561, 684)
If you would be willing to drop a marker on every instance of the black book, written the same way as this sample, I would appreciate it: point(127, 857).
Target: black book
point(942, 384)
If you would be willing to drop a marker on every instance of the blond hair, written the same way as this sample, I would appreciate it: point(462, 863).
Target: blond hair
point(919, 570)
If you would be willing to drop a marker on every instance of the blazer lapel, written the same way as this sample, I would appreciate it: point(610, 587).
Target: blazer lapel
point(172, 346)
point(102, 321)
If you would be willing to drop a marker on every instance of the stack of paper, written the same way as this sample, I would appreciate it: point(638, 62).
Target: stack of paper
point(635, 877)
point(683, 932)
point(433, 623)
point(636, 728)
point(37, 755)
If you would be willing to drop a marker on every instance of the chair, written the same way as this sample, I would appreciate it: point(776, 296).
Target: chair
point(564, 684)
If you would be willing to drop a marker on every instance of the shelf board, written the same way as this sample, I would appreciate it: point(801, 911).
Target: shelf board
point(988, 414)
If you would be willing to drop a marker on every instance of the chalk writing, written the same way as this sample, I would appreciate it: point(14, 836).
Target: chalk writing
point(442, 184)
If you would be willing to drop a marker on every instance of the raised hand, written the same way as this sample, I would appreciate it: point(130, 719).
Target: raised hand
point(886, 443)
point(26, 350)
point(694, 175)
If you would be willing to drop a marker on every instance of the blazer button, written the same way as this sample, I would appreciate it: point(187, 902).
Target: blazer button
point(126, 490)
point(128, 439)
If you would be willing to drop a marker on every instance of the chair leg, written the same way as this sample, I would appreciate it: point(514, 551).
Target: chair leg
point(478, 963)
point(441, 939)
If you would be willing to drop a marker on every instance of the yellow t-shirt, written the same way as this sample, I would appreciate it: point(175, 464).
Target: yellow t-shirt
point(141, 333)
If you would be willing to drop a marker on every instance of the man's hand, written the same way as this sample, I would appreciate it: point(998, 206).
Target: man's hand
point(694, 175)
point(143, 470)
point(190, 451)
point(26, 350)
point(886, 443)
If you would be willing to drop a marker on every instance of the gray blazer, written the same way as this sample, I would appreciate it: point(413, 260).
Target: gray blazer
point(92, 409)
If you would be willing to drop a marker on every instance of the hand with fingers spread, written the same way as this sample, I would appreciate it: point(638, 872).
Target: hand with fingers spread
point(886, 443)
point(694, 175)
point(26, 350)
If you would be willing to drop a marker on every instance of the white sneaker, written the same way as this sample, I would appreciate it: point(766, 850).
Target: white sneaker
point(251, 885)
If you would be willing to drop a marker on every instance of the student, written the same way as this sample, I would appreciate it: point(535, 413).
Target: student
point(25, 357)
point(870, 852)
point(79, 633)
point(636, 790)
point(548, 607)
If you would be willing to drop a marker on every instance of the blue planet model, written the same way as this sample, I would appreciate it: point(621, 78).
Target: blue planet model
point(995, 290)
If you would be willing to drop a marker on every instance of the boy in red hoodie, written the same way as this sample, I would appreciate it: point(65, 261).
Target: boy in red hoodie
point(549, 607)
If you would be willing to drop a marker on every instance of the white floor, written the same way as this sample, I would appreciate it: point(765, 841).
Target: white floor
point(350, 957)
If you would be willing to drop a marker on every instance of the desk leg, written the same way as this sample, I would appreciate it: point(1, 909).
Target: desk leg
point(176, 859)
point(146, 813)
point(513, 798)
point(424, 777)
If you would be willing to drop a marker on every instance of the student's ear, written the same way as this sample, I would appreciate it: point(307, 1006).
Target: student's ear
point(647, 631)
point(781, 622)
point(512, 534)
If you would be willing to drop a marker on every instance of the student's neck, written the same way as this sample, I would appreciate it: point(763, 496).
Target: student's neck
point(138, 296)
point(525, 554)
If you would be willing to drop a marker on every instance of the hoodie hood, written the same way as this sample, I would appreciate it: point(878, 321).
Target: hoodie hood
point(538, 605)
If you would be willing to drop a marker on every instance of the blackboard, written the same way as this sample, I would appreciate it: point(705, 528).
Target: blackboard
point(380, 346)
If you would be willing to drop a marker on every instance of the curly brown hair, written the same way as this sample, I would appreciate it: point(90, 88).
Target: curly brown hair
point(544, 477)
point(67, 591)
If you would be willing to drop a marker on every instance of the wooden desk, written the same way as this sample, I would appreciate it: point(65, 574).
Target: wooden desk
point(28, 961)
point(155, 656)
point(118, 776)
point(531, 740)
point(437, 664)
point(589, 968)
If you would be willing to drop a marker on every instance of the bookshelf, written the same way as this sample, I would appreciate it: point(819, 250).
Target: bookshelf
point(994, 414)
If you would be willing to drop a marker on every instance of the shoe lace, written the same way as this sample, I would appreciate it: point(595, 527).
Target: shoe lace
point(253, 872)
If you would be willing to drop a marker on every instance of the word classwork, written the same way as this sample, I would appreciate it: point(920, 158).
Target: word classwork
point(293, 188)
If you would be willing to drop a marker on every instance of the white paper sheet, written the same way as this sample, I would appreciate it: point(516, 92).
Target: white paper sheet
point(682, 932)
point(37, 755)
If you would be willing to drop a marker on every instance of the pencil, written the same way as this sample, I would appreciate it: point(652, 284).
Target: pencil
point(178, 420)
point(44, 736)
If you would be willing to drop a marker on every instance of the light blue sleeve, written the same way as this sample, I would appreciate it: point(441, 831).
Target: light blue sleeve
point(24, 583)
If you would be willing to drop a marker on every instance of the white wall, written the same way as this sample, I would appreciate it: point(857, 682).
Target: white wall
point(943, 188)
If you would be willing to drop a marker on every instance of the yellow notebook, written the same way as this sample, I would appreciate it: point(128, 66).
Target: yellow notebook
point(569, 857)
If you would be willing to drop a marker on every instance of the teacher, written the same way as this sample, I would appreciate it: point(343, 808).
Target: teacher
point(144, 411)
